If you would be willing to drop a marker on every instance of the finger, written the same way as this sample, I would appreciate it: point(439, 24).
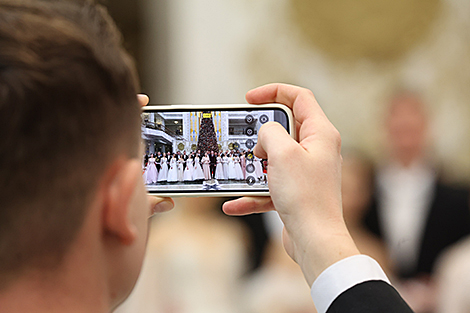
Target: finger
point(271, 136)
point(248, 205)
point(143, 99)
point(159, 205)
point(300, 100)
point(308, 114)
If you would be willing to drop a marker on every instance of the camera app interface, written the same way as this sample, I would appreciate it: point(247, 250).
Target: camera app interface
point(205, 150)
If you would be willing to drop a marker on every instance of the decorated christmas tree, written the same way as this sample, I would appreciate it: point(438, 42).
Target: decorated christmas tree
point(207, 140)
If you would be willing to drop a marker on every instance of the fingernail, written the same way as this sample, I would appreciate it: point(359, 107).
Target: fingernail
point(163, 206)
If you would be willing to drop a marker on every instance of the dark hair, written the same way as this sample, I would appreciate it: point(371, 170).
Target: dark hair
point(67, 107)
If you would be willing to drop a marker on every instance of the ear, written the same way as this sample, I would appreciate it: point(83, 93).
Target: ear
point(119, 186)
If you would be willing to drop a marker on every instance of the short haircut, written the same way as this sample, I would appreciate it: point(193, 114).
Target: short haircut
point(68, 108)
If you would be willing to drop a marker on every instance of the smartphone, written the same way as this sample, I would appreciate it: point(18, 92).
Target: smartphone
point(207, 150)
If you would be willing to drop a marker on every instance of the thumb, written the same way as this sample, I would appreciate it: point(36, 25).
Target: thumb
point(274, 143)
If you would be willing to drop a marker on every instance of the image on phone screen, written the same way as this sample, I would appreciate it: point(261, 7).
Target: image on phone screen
point(205, 151)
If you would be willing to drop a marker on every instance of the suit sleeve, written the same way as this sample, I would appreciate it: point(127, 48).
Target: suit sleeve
point(356, 284)
point(374, 296)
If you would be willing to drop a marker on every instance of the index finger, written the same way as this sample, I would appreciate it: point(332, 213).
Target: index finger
point(307, 112)
point(300, 100)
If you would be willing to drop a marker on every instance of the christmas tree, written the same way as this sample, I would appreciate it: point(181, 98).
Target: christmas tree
point(207, 141)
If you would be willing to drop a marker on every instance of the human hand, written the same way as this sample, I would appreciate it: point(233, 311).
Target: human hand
point(304, 180)
point(157, 204)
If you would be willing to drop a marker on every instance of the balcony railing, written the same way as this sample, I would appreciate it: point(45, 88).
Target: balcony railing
point(163, 129)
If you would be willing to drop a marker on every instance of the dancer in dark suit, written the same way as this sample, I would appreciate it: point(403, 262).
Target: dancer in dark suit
point(158, 158)
point(213, 164)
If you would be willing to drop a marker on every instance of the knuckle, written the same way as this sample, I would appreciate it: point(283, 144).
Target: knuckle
point(336, 138)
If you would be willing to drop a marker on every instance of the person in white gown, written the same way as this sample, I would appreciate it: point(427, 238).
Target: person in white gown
point(197, 173)
point(188, 170)
point(144, 170)
point(243, 163)
point(206, 166)
point(163, 174)
point(238, 168)
point(258, 167)
point(180, 163)
point(152, 172)
point(231, 168)
point(173, 171)
point(225, 165)
point(219, 170)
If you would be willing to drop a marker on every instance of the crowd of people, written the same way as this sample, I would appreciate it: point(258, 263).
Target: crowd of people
point(195, 167)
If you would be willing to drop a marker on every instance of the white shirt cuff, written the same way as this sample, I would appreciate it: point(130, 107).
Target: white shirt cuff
point(343, 275)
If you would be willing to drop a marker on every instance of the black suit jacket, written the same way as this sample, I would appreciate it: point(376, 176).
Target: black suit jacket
point(370, 297)
point(447, 222)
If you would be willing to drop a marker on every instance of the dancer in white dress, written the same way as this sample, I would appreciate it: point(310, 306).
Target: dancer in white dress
point(180, 163)
point(163, 174)
point(238, 168)
point(231, 168)
point(197, 173)
point(152, 172)
point(173, 171)
point(225, 165)
point(188, 170)
point(258, 167)
point(219, 170)
point(206, 166)
point(243, 164)
point(144, 170)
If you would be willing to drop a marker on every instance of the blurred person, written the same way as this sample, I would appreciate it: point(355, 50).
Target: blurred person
point(195, 262)
point(413, 210)
point(75, 241)
point(453, 279)
point(356, 191)
point(277, 285)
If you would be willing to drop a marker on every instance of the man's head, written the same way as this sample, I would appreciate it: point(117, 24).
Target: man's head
point(407, 127)
point(69, 120)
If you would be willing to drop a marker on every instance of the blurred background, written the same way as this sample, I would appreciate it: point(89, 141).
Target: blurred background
point(392, 76)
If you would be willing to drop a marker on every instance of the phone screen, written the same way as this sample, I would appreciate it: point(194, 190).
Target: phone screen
point(203, 151)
